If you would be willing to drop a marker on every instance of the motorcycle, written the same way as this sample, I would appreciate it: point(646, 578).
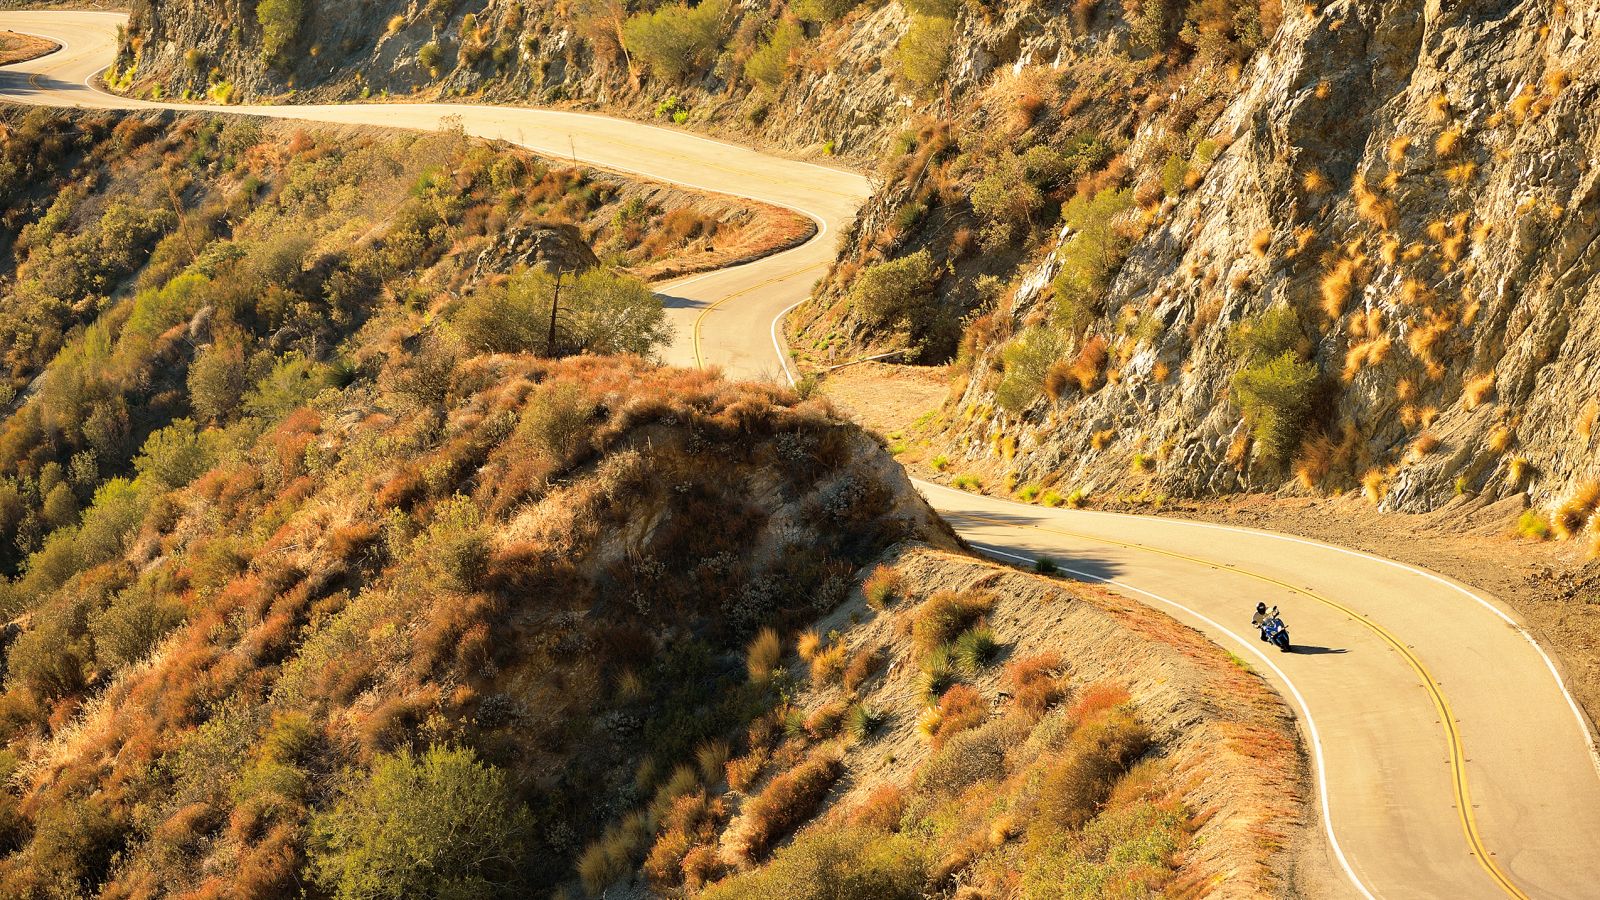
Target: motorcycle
point(1274, 632)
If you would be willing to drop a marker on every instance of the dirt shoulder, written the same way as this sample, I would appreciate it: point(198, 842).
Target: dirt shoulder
point(16, 48)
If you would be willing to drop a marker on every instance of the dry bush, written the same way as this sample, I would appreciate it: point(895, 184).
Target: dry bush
point(808, 643)
point(788, 801)
point(1035, 682)
point(947, 614)
point(1315, 182)
point(1097, 698)
point(969, 757)
point(880, 809)
point(1587, 418)
point(1088, 366)
point(864, 665)
point(763, 654)
point(1375, 486)
point(1077, 782)
point(1103, 438)
point(828, 665)
point(1501, 438)
point(824, 721)
point(712, 759)
point(1575, 513)
point(1337, 285)
point(1395, 153)
point(1261, 242)
point(1375, 207)
point(961, 708)
point(1477, 390)
point(745, 771)
point(1426, 443)
point(882, 587)
point(1448, 143)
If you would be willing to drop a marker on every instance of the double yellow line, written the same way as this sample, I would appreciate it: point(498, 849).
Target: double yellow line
point(699, 359)
point(1458, 755)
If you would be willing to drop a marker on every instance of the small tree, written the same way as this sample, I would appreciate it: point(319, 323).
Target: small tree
point(1027, 360)
point(599, 312)
point(768, 66)
point(924, 51)
point(441, 824)
point(892, 290)
point(677, 39)
point(280, 25)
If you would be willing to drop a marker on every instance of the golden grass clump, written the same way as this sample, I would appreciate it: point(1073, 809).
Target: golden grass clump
point(1315, 182)
point(1517, 470)
point(1461, 174)
point(1395, 153)
point(1501, 438)
point(1575, 513)
point(1102, 439)
point(1439, 108)
point(1337, 286)
point(1089, 365)
point(1374, 207)
point(1375, 486)
point(1260, 242)
point(1477, 390)
point(1426, 443)
point(1521, 104)
point(883, 587)
point(762, 655)
point(1448, 143)
point(1365, 355)
point(808, 644)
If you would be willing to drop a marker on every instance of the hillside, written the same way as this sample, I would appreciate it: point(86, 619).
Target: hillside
point(1087, 206)
point(325, 577)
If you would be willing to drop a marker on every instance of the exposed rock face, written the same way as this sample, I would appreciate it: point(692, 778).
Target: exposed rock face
point(553, 247)
point(1454, 150)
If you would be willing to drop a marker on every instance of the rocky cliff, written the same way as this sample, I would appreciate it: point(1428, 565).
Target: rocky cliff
point(1384, 277)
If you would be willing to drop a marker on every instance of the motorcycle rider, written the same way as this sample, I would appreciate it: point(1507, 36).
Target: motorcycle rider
point(1260, 616)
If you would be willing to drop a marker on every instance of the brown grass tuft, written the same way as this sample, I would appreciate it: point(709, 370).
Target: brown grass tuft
point(1260, 242)
point(787, 802)
point(1577, 511)
point(1477, 390)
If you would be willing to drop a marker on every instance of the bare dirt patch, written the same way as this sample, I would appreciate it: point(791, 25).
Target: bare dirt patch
point(16, 48)
point(886, 398)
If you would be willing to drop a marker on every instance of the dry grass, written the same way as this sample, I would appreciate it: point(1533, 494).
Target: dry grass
point(1439, 108)
point(1375, 207)
point(882, 588)
point(762, 655)
point(1375, 486)
point(1035, 682)
point(807, 644)
point(1448, 143)
point(1089, 365)
point(1586, 419)
point(960, 708)
point(1477, 390)
point(828, 665)
point(1395, 153)
point(1576, 512)
point(1102, 439)
point(1315, 182)
point(789, 800)
point(1501, 437)
point(1261, 242)
point(1426, 443)
point(947, 614)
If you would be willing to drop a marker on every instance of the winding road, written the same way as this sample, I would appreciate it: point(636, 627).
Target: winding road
point(1448, 757)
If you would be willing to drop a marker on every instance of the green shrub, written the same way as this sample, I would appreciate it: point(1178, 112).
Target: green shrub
point(833, 864)
point(137, 619)
point(1091, 256)
point(947, 614)
point(1006, 195)
point(218, 379)
point(1123, 849)
point(557, 421)
point(430, 55)
point(600, 312)
point(1079, 781)
point(1026, 361)
point(439, 824)
point(768, 66)
point(1277, 395)
point(893, 291)
point(280, 24)
point(863, 721)
point(822, 10)
point(975, 649)
point(1269, 335)
point(174, 455)
point(924, 51)
point(677, 39)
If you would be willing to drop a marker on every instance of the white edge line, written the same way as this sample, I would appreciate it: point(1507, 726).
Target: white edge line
point(1305, 709)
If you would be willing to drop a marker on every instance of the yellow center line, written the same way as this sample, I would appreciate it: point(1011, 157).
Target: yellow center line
point(699, 360)
point(1458, 756)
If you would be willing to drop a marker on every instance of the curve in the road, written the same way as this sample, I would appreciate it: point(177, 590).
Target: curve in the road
point(1391, 755)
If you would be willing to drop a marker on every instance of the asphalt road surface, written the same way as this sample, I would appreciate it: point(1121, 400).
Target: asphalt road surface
point(1449, 759)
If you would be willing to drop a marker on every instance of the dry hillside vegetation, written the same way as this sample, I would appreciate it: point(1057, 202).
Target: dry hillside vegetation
point(15, 48)
point(960, 729)
point(302, 535)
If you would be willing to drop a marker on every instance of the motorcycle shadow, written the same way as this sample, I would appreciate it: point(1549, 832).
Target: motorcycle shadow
point(1313, 650)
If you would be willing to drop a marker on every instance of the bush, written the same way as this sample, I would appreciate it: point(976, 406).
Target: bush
point(835, 863)
point(882, 587)
point(280, 24)
point(1006, 195)
point(975, 649)
point(924, 51)
point(1098, 245)
point(893, 291)
point(967, 758)
point(429, 56)
point(558, 421)
point(52, 658)
point(439, 824)
point(947, 614)
point(218, 379)
point(961, 708)
point(822, 10)
point(1081, 779)
point(1027, 360)
point(1276, 396)
point(600, 312)
point(1034, 682)
point(788, 801)
point(768, 66)
point(1269, 335)
point(137, 619)
point(175, 455)
point(863, 721)
point(677, 39)
point(762, 655)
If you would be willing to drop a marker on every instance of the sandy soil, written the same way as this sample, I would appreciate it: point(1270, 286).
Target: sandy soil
point(15, 48)
point(1552, 587)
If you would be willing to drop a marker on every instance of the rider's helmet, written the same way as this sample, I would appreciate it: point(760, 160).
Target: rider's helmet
point(1261, 608)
